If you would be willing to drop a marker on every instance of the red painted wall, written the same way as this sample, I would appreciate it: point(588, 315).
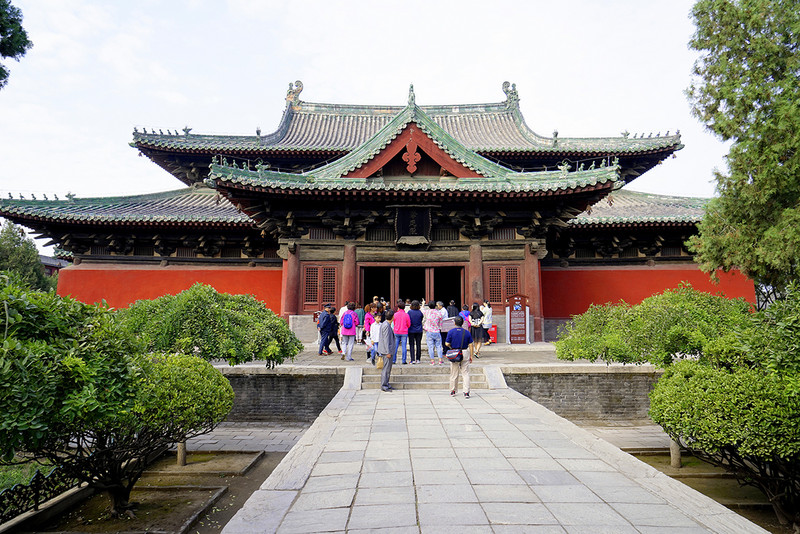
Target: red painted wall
point(121, 285)
point(570, 291)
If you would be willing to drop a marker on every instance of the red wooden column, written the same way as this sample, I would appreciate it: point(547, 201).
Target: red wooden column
point(475, 275)
point(533, 288)
point(290, 284)
point(349, 274)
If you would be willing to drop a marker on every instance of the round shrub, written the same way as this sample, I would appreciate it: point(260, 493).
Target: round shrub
point(212, 325)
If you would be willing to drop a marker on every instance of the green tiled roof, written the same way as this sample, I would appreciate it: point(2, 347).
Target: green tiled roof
point(544, 181)
point(191, 205)
point(486, 128)
point(632, 207)
point(494, 177)
point(200, 205)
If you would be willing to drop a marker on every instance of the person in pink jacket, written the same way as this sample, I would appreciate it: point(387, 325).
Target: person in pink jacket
point(369, 319)
point(401, 324)
point(348, 323)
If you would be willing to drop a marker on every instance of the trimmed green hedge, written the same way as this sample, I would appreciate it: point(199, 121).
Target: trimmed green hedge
point(212, 325)
point(681, 322)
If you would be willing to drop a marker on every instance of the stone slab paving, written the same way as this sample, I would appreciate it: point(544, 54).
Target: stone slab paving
point(631, 437)
point(421, 461)
point(259, 436)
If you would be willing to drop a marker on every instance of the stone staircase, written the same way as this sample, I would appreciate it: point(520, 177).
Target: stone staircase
point(421, 376)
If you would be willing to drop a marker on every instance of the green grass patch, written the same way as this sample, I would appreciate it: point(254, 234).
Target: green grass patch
point(20, 473)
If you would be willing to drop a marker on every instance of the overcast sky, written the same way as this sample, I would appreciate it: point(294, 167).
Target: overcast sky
point(99, 68)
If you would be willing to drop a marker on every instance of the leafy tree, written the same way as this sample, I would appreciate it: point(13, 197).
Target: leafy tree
point(74, 390)
point(18, 254)
point(747, 91)
point(212, 325)
point(776, 338)
point(745, 420)
point(14, 41)
point(731, 389)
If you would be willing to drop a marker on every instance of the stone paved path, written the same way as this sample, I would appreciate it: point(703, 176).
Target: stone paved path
point(422, 461)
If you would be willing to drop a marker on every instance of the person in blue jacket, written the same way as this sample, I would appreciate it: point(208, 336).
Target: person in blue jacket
point(325, 327)
point(459, 339)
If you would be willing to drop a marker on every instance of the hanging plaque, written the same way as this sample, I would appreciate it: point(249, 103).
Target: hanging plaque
point(517, 318)
point(413, 226)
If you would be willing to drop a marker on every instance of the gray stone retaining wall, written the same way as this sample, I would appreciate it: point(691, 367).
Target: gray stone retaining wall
point(587, 392)
point(285, 394)
point(577, 392)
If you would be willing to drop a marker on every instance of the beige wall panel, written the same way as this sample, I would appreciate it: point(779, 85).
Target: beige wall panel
point(508, 254)
point(411, 256)
point(312, 253)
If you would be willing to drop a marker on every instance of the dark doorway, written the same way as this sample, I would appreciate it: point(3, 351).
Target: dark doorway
point(392, 283)
point(447, 284)
point(377, 282)
point(411, 283)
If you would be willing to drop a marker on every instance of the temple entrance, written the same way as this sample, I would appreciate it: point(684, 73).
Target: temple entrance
point(376, 282)
point(392, 283)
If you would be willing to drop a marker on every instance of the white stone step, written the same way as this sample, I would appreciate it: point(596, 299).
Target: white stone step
point(422, 376)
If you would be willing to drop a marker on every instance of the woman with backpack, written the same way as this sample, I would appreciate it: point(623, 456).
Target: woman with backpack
point(349, 328)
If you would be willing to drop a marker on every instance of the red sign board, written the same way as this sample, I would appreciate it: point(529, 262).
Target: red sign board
point(517, 318)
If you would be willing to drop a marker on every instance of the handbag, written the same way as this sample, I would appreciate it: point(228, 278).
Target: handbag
point(456, 355)
point(379, 363)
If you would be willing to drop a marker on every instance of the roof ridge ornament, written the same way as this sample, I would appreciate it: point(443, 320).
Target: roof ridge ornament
point(412, 99)
point(293, 94)
point(512, 97)
point(411, 156)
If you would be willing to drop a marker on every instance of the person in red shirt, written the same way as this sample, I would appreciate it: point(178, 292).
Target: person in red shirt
point(401, 324)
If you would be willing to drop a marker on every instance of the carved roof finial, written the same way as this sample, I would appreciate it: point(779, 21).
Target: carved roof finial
point(186, 130)
point(510, 89)
point(293, 93)
point(412, 99)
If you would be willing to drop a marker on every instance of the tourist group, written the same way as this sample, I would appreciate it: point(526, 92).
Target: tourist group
point(385, 330)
